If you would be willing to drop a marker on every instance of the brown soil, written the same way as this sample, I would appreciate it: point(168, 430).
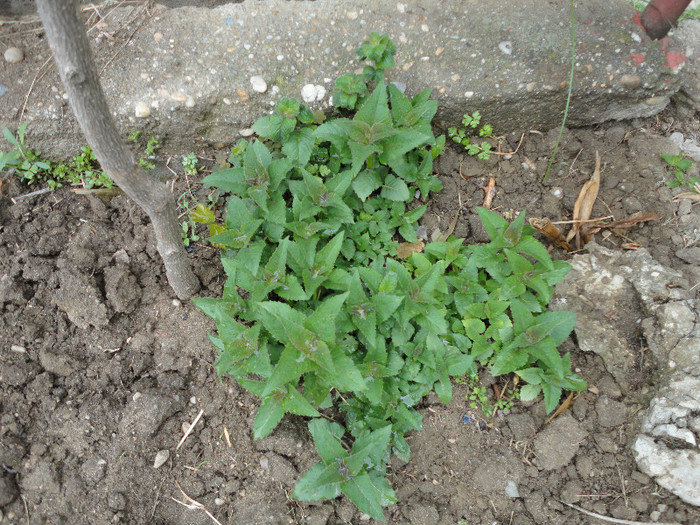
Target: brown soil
point(102, 369)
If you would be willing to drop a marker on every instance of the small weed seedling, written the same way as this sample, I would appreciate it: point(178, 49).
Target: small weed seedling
point(680, 166)
point(82, 170)
point(189, 164)
point(318, 313)
point(465, 136)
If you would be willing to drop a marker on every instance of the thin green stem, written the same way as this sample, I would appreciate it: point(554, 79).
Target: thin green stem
point(568, 97)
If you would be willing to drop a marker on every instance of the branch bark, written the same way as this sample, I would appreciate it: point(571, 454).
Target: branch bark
point(71, 51)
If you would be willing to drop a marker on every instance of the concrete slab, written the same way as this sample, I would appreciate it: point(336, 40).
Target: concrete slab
point(187, 72)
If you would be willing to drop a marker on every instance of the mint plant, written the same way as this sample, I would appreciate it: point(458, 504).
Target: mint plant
point(351, 89)
point(680, 166)
point(465, 135)
point(317, 313)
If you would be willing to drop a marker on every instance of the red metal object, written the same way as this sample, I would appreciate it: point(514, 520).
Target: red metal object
point(661, 15)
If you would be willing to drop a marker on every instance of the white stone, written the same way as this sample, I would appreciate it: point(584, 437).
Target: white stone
point(506, 47)
point(142, 110)
point(258, 83)
point(512, 489)
point(161, 457)
point(246, 132)
point(312, 93)
point(14, 55)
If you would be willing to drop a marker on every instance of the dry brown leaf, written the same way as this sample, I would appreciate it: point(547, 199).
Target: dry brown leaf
point(630, 220)
point(631, 245)
point(490, 193)
point(693, 196)
point(405, 249)
point(562, 408)
point(584, 207)
point(549, 230)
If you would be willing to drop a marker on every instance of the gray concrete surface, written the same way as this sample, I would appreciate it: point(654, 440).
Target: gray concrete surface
point(189, 69)
point(656, 300)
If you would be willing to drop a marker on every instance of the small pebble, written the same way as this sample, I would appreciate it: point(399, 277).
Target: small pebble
point(3, 90)
point(161, 457)
point(218, 502)
point(247, 132)
point(193, 400)
point(512, 490)
point(506, 47)
point(259, 84)
point(141, 110)
point(18, 349)
point(14, 55)
point(177, 303)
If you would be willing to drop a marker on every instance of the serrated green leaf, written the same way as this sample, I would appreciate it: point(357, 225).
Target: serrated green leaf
point(557, 325)
point(295, 403)
point(231, 179)
point(299, 145)
point(322, 320)
point(395, 189)
point(327, 438)
point(529, 392)
point(369, 494)
point(365, 183)
point(494, 224)
point(375, 109)
point(400, 143)
point(321, 482)
point(268, 417)
point(530, 375)
point(552, 394)
point(509, 360)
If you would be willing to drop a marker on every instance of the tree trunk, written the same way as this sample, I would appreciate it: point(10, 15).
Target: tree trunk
point(71, 51)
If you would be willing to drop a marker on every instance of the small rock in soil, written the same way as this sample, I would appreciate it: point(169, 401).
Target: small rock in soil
point(572, 492)
point(8, 490)
point(41, 481)
point(144, 415)
point(122, 289)
point(522, 426)
point(512, 489)
point(14, 55)
point(78, 297)
point(59, 364)
point(116, 501)
point(319, 516)
point(611, 413)
point(93, 470)
point(558, 443)
point(161, 457)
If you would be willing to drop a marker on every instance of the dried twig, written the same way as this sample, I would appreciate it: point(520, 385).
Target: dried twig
point(189, 430)
point(29, 195)
point(31, 86)
point(616, 520)
point(193, 504)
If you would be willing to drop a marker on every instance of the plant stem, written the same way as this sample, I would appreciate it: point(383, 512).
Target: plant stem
point(568, 97)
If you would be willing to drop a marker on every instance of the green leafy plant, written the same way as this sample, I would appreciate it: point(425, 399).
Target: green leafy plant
point(351, 89)
point(478, 397)
point(464, 135)
point(318, 313)
point(680, 166)
point(27, 163)
point(145, 161)
point(83, 169)
point(189, 164)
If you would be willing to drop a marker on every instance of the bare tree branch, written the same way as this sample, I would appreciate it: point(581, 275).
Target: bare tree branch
point(73, 57)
